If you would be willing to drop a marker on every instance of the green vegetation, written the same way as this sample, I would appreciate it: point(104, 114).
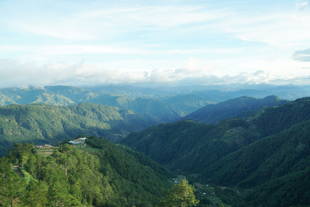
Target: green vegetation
point(275, 168)
point(213, 113)
point(181, 194)
point(265, 155)
point(190, 146)
point(258, 158)
point(113, 175)
point(43, 124)
point(67, 95)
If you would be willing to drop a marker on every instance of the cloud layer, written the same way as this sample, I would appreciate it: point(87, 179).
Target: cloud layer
point(121, 42)
point(302, 55)
point(19, 73)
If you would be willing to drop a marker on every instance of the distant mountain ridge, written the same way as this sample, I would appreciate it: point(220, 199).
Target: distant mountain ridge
point(166, 103)
point(214, 113)
point(67, 95)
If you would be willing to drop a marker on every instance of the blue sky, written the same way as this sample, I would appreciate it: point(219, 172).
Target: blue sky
point(167, 42)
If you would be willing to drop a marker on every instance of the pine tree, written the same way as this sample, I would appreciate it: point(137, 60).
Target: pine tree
point(11, 186)
point(36, 194)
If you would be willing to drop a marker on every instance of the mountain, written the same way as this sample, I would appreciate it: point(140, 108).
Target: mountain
point(41, 123)
point(186, 102)
point(214, 113)
point(68, 95)
point(166, 103)
point(264, 155)
point(191, 146)
point(275, 168)
point(132, 91)
point(219, 93)
point(101, 174)
point(154, 107)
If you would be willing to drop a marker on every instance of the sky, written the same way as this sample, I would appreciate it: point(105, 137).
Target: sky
point(177, 42)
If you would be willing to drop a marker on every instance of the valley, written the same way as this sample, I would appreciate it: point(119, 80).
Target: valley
point(230, 149)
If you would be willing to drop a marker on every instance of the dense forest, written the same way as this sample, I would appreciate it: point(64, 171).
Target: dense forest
point(42, 123)
point(105, 175)
point(267, 151)
point(249, 151)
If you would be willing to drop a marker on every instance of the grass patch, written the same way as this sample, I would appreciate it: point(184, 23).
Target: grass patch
point(45, 152)
point(87, 148)
point(27, 176)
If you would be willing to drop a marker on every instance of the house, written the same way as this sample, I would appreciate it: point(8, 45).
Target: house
point(38, 146)
point(48, 145)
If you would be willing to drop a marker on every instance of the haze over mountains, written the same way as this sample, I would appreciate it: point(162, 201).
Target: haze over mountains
point(167, 104)
point(213, 136)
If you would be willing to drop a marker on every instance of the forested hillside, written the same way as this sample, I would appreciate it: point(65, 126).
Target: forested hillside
point(267, 151)
point(111, 175)
point(276, 168)
point(214, 113)
point(41, 123)
point(191, 146)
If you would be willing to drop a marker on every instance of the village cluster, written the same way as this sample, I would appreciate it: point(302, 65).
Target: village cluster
point(45, 146)
point(74, 143)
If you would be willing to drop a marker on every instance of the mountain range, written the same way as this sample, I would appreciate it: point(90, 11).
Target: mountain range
point(255, 149)
point(267, 151)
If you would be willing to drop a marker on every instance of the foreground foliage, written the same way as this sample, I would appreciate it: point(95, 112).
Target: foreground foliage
point(180, 195)
point(115, 176)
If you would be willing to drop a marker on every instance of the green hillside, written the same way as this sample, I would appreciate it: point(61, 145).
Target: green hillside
point(111, 176)
point(267, 151)
point(41, 123)
point(191, 146)
point(276, 168)
point(213, 113)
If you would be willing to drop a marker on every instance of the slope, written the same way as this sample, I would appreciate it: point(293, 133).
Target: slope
point(68, 95)
point(213, 113)
point(276, 168)
point(45, 123)
point(190, 146)
point(186, 102)
point(111, 176)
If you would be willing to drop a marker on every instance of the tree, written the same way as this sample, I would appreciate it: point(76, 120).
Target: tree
point(57, 193)
point(11, 186)
point(36, 194)
point(5, 166)
point(179, 195)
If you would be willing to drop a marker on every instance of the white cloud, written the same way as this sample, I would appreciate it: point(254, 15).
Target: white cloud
point(301, 6)
point(19, 73)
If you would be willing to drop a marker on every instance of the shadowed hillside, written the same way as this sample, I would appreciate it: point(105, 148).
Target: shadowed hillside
point(213, 113)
